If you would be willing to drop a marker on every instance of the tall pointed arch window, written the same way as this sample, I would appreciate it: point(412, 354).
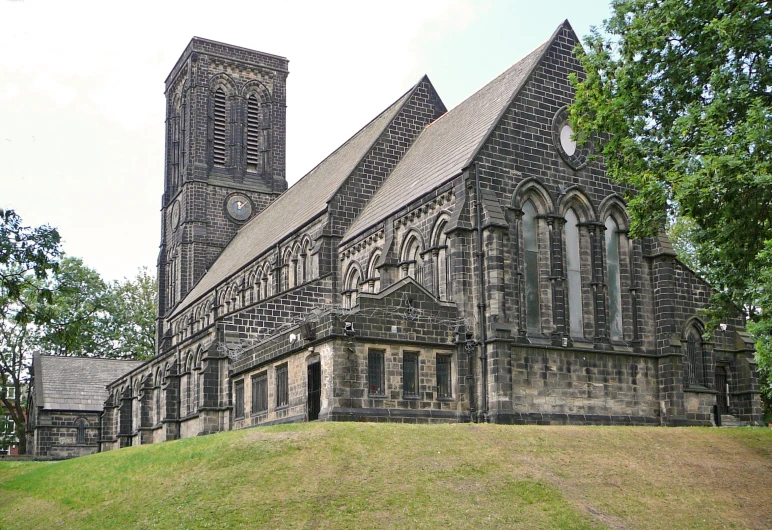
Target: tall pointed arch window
point(531, 268)
point(253, 133)
point(353, 279)
point(219, 119)
point(573, 274)
point(305, 257)
point(373, 274)
point(196, 381)
point(412, 263)
point(695, 359)
point(613, 280)
point(157, 397)
point(174, 127)
point(442, 265)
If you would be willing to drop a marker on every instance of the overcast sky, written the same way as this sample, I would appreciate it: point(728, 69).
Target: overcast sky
point(82, 104)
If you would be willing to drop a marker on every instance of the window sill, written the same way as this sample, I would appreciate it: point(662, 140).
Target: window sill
point(259, 413)
point(377, 396)
point(282, 407)
point(445, 398)
point(699, 390)
point(411, 397)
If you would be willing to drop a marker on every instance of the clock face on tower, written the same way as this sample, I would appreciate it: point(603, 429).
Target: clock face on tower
point(239, 207)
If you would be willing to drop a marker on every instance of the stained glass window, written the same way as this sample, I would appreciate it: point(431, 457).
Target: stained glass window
point(613, 281)
point(531, 268)
point(574, 275)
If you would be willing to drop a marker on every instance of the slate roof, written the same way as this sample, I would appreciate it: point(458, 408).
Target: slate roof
point(75, 383)
point(447, 145)
point(301, 203)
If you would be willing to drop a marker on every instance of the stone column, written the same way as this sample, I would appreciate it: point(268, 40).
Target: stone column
point(597, 238)
point(557, 280)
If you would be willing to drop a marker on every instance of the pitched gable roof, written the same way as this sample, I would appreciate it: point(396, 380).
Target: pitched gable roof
point(75, 383)
point(301, 203)
point(449, 144)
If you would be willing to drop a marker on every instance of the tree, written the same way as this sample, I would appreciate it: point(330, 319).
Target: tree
point(92, 318)
point(132, 311)
point(76, 324)
point(55, 304)
point(682, 94)
point(27, 257)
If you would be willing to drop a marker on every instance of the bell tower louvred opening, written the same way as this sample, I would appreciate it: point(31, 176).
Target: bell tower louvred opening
point(253, 134)
point(219, 129)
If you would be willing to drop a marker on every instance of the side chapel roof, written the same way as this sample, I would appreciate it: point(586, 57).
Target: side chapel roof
point(301, 203)
point(449, 144)
point(75, 383)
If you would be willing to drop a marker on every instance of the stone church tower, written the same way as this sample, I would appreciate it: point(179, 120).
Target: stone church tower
point(225, 157)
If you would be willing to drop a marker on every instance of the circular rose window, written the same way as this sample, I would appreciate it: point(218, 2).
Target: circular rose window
point(562, 134)
point(566, 141)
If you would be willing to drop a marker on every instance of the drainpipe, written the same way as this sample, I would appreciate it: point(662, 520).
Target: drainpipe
point(481, 305)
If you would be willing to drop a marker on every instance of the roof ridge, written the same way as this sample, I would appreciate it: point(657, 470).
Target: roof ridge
point(540, 50)
point(404, 98)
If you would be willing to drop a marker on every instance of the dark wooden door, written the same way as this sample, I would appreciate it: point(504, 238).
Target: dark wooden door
point(721, 398)
point(314, 390)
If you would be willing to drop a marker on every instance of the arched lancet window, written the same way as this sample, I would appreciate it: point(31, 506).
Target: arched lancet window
point(695, 358)
point(613, 280)
point(157, 397)
point(181, 142)
point(442, 265)
point(196, 381)
point(174, 126)
point(412, 262)
point(136, 412)
point(351, 287)
point(253, 133)
point(257, 291)
point(573, 274)
point(305, 260)
point(373, 274)
point(286, 271)
point(296, 266)
point(189, 385)
point(219, 128)
point(171, 269)
point(531, 268)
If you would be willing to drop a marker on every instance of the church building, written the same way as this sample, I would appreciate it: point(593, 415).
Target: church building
point(441, 265)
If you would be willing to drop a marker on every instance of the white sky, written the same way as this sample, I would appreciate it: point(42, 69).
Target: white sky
point(82, 104)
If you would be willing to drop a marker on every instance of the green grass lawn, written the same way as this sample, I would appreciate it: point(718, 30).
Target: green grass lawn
point(359, 475)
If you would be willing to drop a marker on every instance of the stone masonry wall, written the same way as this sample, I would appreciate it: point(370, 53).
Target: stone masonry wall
point(569, 386)
point(56, 434)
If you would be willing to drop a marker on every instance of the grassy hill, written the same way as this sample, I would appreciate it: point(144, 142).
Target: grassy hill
point(354, 475)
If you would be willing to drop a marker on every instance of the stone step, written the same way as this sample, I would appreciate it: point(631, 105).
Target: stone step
point(728, 420)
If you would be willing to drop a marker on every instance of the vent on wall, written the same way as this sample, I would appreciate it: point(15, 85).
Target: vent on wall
point(253, 133)
point(218, 143)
